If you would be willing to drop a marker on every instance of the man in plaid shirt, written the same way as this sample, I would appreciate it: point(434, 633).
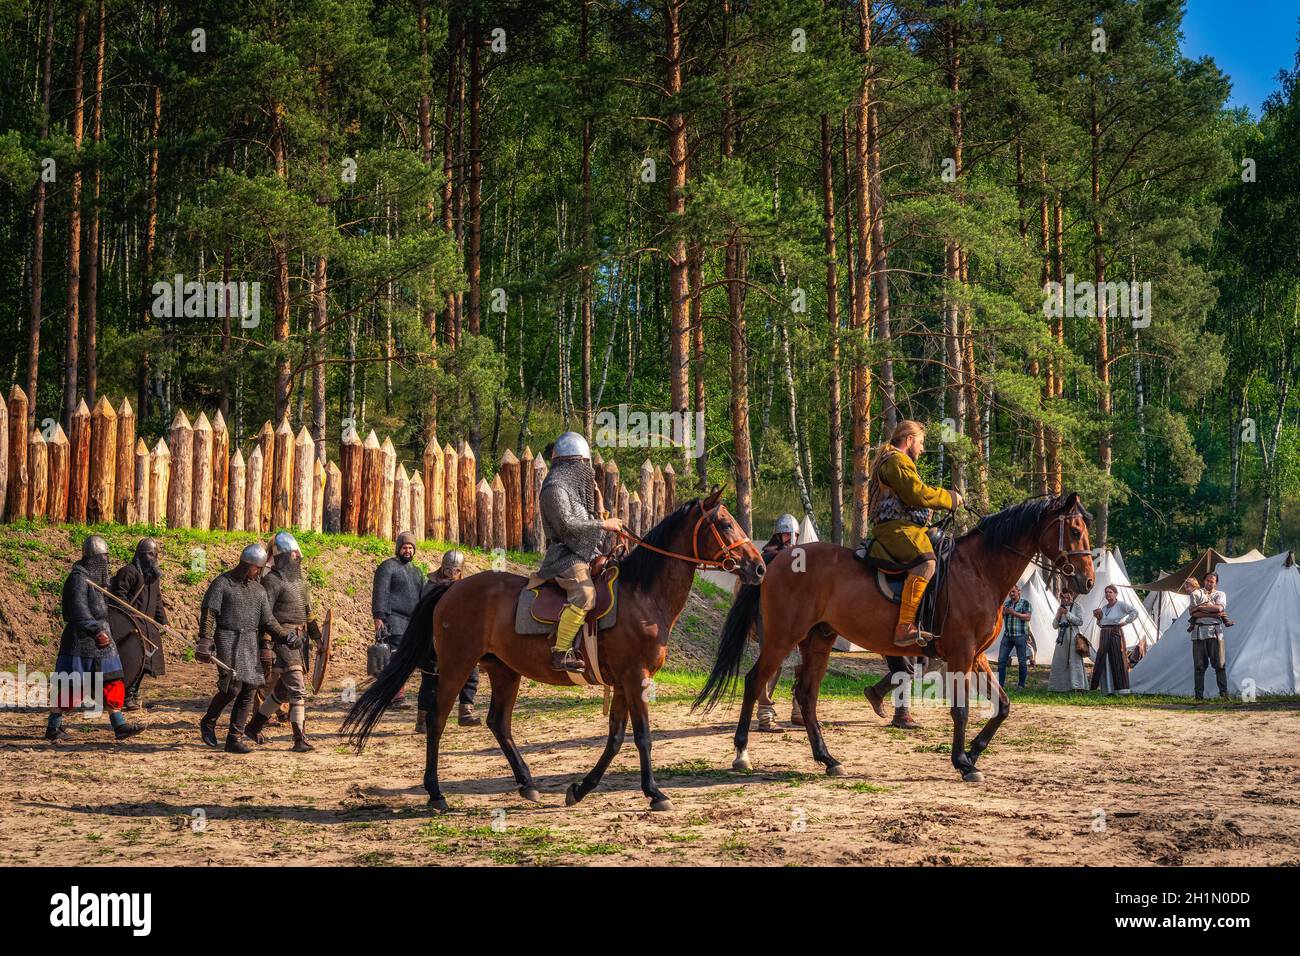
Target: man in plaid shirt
point(1016, 612)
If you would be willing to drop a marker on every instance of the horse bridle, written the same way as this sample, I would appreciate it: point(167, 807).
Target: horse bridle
point(723, 561)
point(1061, 552)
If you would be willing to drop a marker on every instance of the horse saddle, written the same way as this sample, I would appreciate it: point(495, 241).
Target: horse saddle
point(538, 610)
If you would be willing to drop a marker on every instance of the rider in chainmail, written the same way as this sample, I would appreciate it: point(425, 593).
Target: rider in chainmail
point(235, 610)
point(87, 654)
point(286, 589)
point(573, 523)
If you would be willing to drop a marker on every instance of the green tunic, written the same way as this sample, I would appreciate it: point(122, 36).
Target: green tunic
point(900, 510)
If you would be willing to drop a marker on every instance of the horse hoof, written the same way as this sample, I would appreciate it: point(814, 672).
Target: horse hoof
point(530, 793)
point(742, 761)
point(571, 796)
point(662, 804)
point(973, 776)
point(437, 804)
point(836, 770)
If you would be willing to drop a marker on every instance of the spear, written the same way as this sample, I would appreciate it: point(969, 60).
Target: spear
point(166, 628)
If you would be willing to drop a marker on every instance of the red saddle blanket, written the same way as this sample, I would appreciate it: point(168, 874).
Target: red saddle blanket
point(539, 608)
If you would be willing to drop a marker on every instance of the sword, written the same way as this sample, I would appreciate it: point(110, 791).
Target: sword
point(166, 628)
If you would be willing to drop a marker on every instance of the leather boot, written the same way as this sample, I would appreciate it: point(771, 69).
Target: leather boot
point(58, 735)
point(903, 719)
point(254, 729)
point(563, 656)
point(876, 694)
point(208, 725)
point(465, 716)
point(906, 634)
point(127, 730)
point(235, 744)
point(301, 744)
point(421, 721)
point(132, 700)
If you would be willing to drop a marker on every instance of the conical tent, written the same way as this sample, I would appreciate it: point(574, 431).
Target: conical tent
point(1042, 609)
point(1262, 650)
point(1208, 560)
point(1109, 568)
point(1165, 606)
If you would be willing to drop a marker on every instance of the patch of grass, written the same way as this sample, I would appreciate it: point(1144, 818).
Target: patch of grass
point(864, 786)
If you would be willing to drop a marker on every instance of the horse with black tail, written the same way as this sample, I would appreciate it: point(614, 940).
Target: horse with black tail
point(830, 592)
point(473, 621)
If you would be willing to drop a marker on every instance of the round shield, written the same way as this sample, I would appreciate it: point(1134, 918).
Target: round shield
point(322, 664)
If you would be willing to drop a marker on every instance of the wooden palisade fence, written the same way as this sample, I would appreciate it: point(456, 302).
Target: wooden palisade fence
point(197, 477)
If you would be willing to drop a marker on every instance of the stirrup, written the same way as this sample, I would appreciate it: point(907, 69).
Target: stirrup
point(566, 661)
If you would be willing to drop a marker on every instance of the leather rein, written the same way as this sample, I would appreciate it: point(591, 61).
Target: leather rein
point(724, 561)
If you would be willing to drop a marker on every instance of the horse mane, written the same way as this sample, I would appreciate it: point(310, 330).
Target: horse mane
point(1006, 527)
point(643, 565)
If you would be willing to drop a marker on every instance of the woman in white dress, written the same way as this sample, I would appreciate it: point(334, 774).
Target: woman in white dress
point(1068, 672)
point(1110, 671)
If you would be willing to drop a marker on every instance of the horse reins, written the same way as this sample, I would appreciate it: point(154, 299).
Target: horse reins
point(726, 560)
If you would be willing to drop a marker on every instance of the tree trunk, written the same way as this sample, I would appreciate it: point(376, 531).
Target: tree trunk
point(860, 400)
point(92, 232)
point(38, 221)
point(151, 222)
point(833, 322)
point(71, 355)
point(678, 264)
point(1103, 338)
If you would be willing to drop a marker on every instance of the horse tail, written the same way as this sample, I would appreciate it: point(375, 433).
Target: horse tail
point(731, 649)
point(416, 649)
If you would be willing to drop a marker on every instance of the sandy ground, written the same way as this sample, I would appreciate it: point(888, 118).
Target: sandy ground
point(1064, 784)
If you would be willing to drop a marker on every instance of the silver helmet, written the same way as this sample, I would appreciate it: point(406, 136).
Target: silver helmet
point(571, 445)
point(284, 543)
point(94, 547)
point(453, 560)
point(254, 554)
point(786, 524)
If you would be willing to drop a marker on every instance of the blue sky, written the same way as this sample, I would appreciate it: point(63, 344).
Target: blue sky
point(1250, 40)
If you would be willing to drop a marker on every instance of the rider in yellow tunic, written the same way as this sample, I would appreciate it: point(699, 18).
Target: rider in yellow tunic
point(901, 504)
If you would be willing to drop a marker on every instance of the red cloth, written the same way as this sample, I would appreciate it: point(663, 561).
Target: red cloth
point(114, 697)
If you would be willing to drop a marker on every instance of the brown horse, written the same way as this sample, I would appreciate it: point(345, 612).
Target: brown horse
point(473, 621)
point(817, 584)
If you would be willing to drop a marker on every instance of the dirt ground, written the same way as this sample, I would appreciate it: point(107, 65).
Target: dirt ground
point(1065, 784)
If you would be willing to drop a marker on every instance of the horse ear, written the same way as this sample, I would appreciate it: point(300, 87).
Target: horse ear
point(1071, 500)
point(715, 495)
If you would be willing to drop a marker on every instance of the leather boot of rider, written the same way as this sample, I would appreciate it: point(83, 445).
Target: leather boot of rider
point(906, 633)
point(566, 630)
point(465, 716)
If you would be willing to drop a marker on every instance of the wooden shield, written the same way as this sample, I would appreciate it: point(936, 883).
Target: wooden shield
point(322, 664)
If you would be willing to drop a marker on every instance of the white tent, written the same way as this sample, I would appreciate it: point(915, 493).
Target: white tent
point(1042, 609)
point(1262, 649)
point(1109, 567)
point(1165, 606)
